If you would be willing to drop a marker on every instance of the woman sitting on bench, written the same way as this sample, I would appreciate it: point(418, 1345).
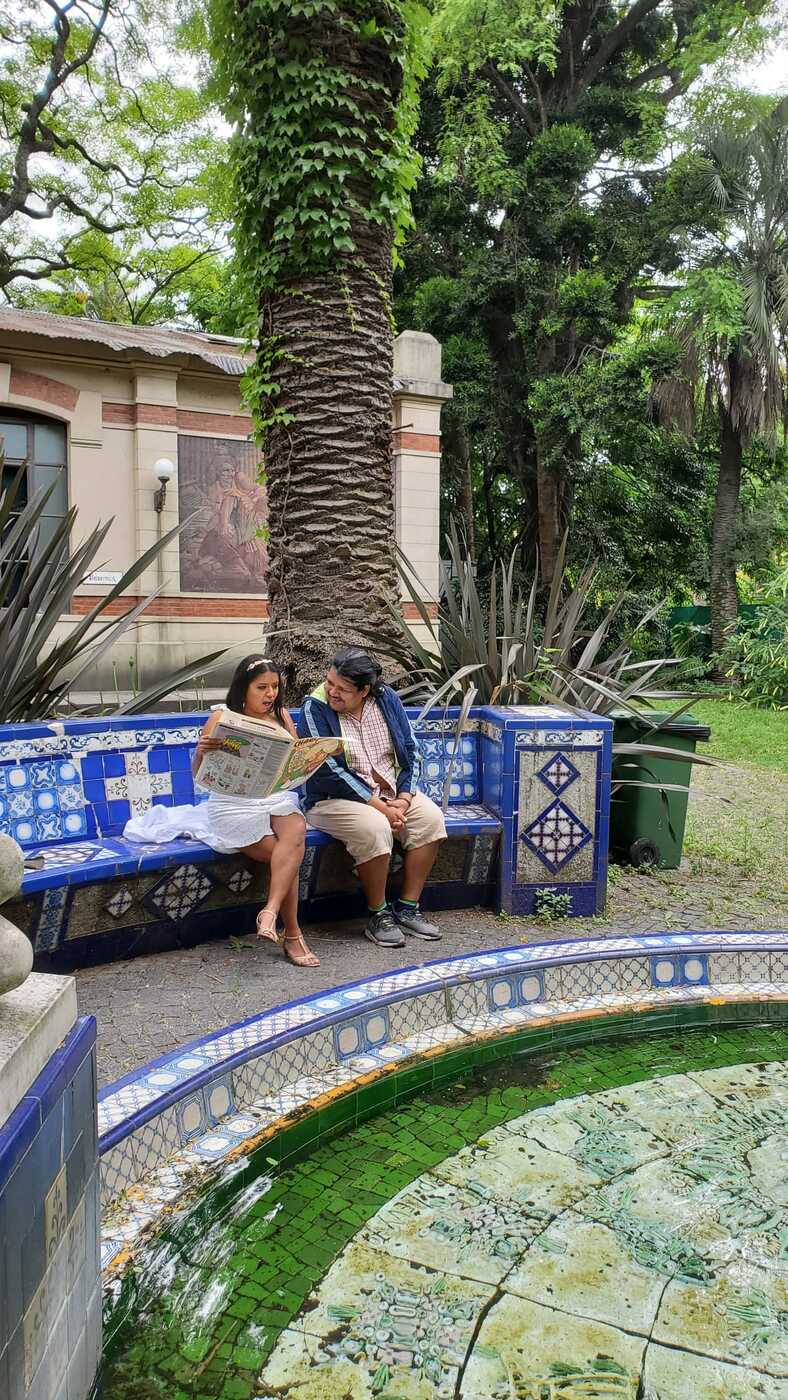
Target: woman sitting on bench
point(269, 829)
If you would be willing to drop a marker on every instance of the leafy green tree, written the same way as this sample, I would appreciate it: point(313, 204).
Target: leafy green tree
point(113, 175)
point(322, 95)
point(731, 318)
point(546, 196)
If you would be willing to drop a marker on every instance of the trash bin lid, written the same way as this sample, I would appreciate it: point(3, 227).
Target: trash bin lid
point(686, 724)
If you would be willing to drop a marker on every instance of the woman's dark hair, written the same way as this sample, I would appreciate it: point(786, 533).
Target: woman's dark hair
point(247, 671)
point(356, 665)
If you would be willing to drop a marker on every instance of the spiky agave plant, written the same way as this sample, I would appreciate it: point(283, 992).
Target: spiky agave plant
point(516, 649)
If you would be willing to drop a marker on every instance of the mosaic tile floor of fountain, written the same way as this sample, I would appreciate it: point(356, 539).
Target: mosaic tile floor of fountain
point(528, 1234)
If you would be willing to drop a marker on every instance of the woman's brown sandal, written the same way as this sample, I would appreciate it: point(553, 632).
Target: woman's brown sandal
point(268, 930)
point(306, 958)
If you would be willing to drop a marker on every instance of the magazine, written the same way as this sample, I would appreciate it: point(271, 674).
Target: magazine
point(258, 759)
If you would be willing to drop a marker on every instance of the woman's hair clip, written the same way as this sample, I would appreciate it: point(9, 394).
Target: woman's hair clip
point(260, 661)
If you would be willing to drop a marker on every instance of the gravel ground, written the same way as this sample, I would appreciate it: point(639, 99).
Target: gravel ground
point(734, 876)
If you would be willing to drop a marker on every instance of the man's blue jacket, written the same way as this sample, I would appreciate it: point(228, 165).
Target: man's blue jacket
point(334, 778)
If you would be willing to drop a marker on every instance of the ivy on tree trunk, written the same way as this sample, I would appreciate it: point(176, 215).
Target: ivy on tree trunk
point(324, 96)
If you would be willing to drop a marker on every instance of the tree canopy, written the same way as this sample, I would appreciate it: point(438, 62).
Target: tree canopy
point(114, 186)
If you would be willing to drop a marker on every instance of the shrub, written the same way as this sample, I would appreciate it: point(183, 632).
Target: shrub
point(757, 657)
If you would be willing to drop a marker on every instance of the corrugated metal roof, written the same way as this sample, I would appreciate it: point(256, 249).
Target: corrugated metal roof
point(222, 352)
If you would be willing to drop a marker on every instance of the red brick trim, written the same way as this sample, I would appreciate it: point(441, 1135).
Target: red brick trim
point(40, 386)
point(411, 613)
point(197, 421)
point(129, 415)
point(176, 607)
point(416, 442)
point(82, 603)
point(160, 415)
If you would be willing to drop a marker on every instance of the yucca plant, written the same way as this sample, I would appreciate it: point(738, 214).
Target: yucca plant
point(37, 582)
point(517, 650)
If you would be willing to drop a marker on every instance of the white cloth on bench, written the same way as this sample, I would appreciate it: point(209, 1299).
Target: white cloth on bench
point(226, 824)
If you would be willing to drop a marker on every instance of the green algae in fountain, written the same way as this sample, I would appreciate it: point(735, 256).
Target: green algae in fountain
point(608, 1223)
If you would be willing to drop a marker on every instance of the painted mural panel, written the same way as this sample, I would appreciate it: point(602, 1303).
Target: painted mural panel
point(221, 551)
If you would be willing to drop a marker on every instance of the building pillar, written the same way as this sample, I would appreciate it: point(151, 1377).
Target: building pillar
point(419, 395)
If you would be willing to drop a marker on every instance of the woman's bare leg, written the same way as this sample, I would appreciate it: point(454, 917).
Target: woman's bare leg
point(294, 942)
point(284, 852)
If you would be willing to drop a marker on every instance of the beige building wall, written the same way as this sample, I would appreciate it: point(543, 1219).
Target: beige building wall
point(126, 408)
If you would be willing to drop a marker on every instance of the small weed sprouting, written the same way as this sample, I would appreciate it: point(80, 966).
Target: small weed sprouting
point(550, 906)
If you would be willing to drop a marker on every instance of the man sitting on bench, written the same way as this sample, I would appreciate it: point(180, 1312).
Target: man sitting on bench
point(369, 799)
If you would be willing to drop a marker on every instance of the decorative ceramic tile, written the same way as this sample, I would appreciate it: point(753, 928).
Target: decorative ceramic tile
point(35, 1328)
point(417, 1013)
point(72, 853)
point(558, 773)
point(120, 903)
point(156, 1140)
point(218, 1097)
point(239, 881)
point(680, 971)
point(118, 1169)
point(55, 1214)
point(504, 993)
point(480, 867)
point(364, 1033)
point(191, 1116)
point(556, 836)
point(307, 871)
point(409, 1324)
point(50, 919)
point(524, 1349)
point(255, 1079)
point(180, 892)
point(559, 739)
point(463, 1230)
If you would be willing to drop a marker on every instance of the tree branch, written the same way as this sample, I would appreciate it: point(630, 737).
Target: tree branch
point(513, 98)
point(59, 71)
point(612, 42)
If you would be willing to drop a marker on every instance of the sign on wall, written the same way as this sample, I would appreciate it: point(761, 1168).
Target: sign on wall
point(221, 551)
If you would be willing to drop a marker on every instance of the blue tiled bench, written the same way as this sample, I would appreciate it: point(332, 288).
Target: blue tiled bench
point(67, 790)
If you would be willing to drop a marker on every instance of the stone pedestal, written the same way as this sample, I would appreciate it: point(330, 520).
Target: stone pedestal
point(50, 1285)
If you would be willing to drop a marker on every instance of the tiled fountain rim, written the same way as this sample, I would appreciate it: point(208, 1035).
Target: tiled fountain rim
point(369, 993)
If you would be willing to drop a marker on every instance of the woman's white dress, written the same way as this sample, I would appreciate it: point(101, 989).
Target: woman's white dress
point(226, 824)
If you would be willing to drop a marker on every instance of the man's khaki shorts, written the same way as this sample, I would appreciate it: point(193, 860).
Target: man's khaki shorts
point(366, 833)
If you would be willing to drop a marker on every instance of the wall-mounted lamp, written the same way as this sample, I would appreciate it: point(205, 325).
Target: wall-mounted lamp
point(164, 470)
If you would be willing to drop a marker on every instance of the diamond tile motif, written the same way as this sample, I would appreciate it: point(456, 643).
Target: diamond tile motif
point(180, 892)
point(119, 904)
point(558, 773)
point(239, 881)
point(74, 853)
point(556, 836)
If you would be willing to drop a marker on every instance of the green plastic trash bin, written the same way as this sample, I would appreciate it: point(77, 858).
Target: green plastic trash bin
point(647, 826)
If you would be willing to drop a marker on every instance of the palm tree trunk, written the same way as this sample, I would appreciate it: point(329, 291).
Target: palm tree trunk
point(723, 592)
point(332, 574)
point(332, 577)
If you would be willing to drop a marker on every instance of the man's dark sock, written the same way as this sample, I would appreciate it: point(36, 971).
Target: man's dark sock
point(407, 905)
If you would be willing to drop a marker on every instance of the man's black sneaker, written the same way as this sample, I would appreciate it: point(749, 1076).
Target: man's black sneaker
point(414, 923)
point(382, 929)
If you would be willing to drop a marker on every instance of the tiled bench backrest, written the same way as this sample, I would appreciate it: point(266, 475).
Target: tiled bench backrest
point(88, 780)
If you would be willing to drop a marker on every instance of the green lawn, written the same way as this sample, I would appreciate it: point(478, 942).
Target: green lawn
point(741, 733)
